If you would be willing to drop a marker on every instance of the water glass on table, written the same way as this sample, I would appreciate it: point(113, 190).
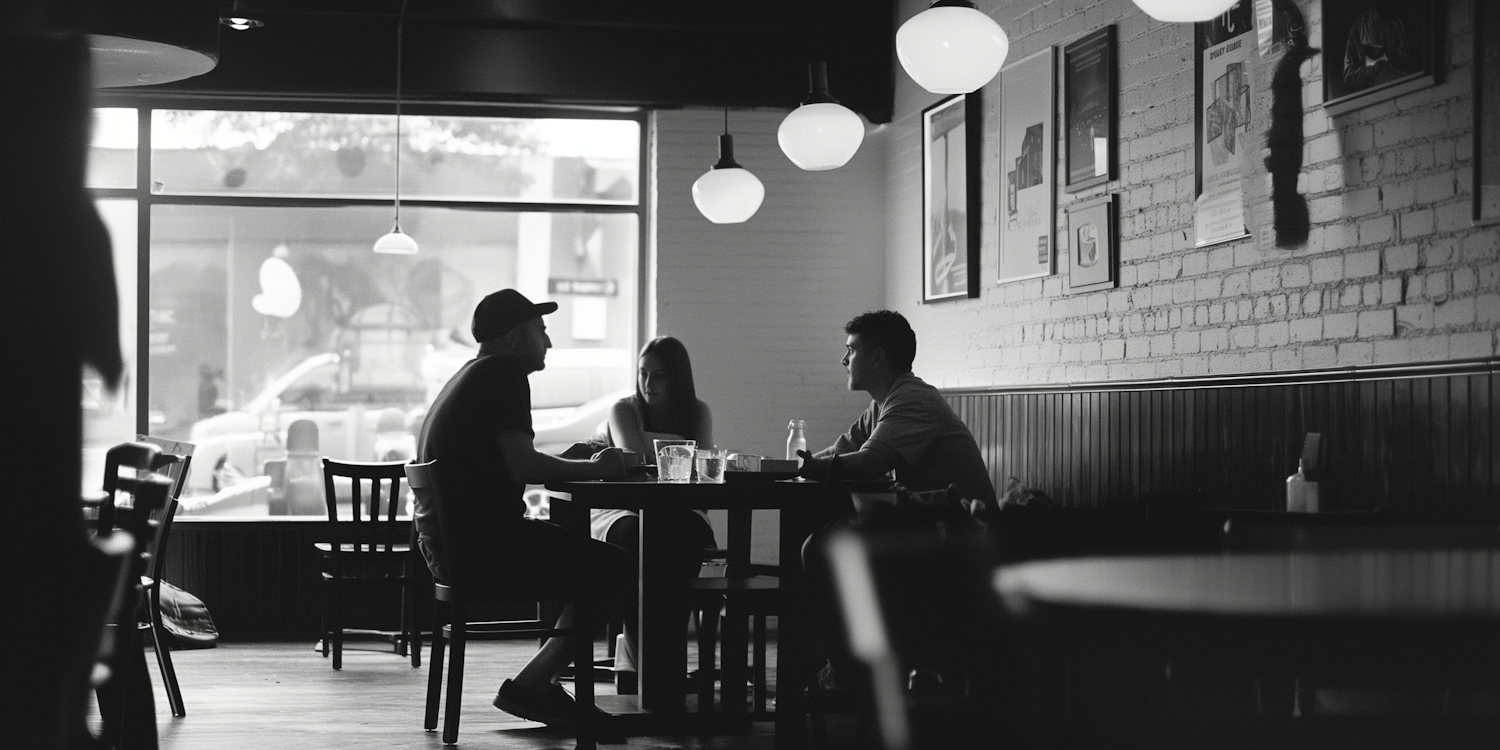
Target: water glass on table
point(711, 465)
point(674, 460)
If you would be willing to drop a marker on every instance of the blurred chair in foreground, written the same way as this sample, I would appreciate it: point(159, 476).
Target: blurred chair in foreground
point(921, 617)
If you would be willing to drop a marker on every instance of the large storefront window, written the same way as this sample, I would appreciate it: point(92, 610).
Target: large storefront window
point(270, 322)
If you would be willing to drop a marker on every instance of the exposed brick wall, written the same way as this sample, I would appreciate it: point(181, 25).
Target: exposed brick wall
point(1392, 271)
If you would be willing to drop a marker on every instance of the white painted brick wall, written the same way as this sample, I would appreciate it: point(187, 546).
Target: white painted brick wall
point(1393, 270)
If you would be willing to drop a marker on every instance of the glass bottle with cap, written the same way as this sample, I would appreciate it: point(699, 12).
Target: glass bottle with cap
point(796, 440)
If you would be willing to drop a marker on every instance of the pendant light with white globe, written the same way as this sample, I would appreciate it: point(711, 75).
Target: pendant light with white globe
point(951, 48)
point(1184, 11)
point(397, 242)
point(821, 134)
point(727, 193)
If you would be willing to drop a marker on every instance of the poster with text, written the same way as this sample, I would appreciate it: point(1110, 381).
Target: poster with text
point(1225, 48)
point(1028, 107)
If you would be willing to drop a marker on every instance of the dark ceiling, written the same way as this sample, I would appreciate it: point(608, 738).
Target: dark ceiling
point(664, 53)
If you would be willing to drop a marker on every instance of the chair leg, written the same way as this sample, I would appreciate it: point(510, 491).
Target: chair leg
point(325, 603)
point(159, 641)
point(435, 668)
point(410, 632)
point(455, 677)
point(336, 627)
point(708, 636)
point(758, 668)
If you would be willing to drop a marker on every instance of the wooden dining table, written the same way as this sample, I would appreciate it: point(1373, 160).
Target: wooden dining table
point(661, 651)
point(1411, 617)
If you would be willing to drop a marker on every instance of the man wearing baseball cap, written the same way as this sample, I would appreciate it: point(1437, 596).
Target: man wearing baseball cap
point(479, 432)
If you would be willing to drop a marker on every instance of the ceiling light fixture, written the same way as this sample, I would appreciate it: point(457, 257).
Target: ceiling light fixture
point(951, 48)
point(821, 134)
point(396, 242)
point(727, 193)
point(1183, 11)
point(239, 19)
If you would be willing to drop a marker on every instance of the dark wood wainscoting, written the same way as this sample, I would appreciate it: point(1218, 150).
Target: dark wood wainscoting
point(1420, 438)
point(259, 577)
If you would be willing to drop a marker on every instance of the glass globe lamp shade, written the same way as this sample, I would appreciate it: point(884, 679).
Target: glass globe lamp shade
point(822, 136)
point(728, 195)
point(1184, 11)
point(951, 49)
point(396, 243)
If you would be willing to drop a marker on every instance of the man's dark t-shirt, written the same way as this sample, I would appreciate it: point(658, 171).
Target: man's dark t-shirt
point(482, 503)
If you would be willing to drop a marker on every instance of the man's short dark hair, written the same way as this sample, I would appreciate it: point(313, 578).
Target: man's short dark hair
point(886, 329)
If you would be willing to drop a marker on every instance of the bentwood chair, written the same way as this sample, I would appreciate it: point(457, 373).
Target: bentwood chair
point(452, 598)
point(367, 547)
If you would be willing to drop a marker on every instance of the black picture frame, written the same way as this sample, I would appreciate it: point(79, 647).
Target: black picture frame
point(1093, 258)
point(1089, 110)
point(1486, 170)
point(1397, 39)
point(951, 139)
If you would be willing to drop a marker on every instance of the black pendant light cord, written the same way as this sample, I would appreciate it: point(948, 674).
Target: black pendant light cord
point(400, 24)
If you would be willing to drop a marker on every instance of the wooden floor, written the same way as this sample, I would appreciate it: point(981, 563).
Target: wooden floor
point(285, 695)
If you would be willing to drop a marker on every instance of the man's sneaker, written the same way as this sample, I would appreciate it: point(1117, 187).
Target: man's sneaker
point(551, 705)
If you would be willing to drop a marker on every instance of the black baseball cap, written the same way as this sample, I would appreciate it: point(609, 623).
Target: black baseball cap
point(501, 311)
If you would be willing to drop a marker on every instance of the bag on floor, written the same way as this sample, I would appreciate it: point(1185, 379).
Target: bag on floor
point(186, 619)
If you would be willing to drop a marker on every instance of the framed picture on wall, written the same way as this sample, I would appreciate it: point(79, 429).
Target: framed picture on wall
point(1486, 113)
point(1028, 132)
point(1092, 260)
point(1089, 109)
point(950, 199)
point(1374, 50)
point(1225, 52)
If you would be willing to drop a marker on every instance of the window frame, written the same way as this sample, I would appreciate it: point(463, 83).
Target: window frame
point(145, 199)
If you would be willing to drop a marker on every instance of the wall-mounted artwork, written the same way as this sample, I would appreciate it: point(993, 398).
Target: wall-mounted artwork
point(950, 199)
point(1089, 109)
point(1225, 50)
point(1374, 50)
point(1486, 113)
point(1092, 260)
point(1028, 106)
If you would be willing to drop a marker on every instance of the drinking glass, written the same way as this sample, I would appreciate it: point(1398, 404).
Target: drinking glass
point(674, 462)
point(711, 465)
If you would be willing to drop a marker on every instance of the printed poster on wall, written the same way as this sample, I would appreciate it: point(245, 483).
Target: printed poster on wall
point(1027, 133)
point(1225, 48)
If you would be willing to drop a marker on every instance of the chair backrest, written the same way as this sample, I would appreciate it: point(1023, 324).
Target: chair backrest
point(1289, 535)
point(134, 457)
point(374, 501)
point(427, 517)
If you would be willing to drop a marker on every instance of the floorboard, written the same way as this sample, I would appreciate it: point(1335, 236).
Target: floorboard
point(255, 696)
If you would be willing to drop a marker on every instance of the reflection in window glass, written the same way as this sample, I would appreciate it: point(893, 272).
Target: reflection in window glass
point(261, 317)
point(112, 149)
point(203, 152)
point(109, 417)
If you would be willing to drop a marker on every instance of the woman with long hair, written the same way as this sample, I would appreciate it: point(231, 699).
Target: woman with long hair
point(665, 406)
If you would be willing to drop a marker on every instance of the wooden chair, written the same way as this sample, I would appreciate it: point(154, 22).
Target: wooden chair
point(174, 467)
point(136, 458)
point(451, 626)
point(920, 616)
point(125, 702)
point(367, 547)
point(732, 609)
